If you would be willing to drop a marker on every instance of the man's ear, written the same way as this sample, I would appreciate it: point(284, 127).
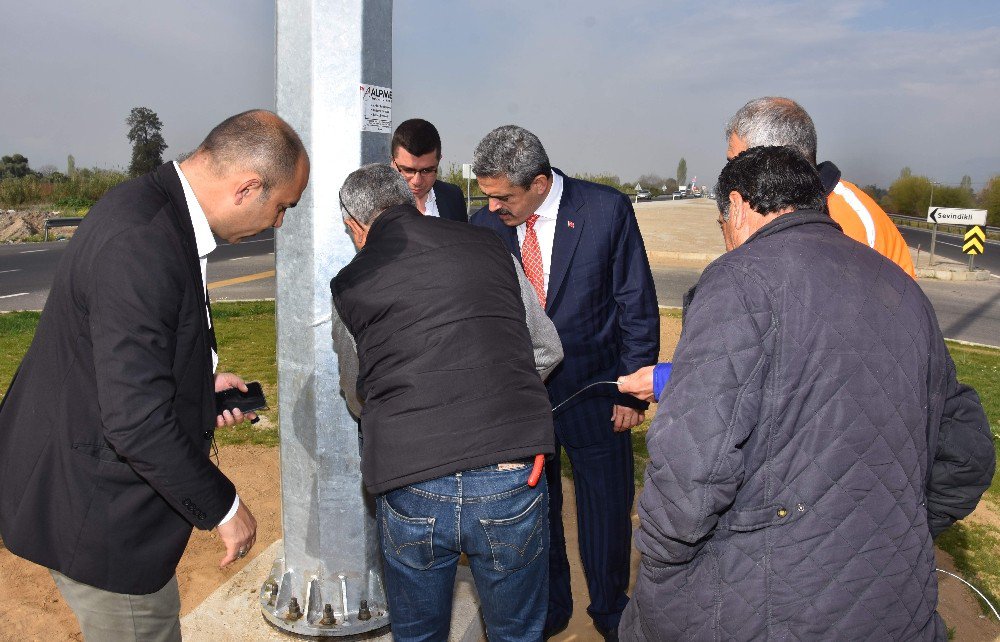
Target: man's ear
point(738, 209)
point(539, 184)
point(248, 188)
point(358, 231)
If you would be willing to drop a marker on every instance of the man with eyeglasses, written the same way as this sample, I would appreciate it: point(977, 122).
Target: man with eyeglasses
point(416, 154)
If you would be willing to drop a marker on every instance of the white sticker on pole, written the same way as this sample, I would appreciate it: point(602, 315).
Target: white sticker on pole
point(956, 216)
point(376, 109)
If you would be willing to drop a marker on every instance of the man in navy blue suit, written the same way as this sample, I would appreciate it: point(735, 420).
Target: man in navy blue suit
point(582, 251)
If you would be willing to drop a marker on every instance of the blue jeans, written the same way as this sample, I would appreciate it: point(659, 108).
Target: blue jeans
point(492, 516)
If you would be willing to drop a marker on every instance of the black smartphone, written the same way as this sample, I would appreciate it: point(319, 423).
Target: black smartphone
point(252, 399)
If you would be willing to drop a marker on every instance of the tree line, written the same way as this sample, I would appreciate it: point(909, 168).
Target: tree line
point(911, 194)
point(78, 189)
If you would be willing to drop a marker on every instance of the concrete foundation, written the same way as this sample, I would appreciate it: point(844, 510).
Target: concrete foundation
point(232, 613)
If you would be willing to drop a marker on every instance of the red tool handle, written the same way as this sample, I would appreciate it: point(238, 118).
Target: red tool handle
point(536, 471)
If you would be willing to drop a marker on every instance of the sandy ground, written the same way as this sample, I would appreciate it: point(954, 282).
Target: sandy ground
point(32, 609)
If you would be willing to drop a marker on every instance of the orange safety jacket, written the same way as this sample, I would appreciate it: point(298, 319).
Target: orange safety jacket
point(863, 220)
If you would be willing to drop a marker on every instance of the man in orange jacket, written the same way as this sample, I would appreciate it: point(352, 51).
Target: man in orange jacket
point(782, 121)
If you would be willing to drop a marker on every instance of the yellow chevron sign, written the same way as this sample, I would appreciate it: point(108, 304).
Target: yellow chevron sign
point(974, 240)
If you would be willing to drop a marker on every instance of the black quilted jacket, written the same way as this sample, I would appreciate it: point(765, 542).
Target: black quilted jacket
point(810, 441)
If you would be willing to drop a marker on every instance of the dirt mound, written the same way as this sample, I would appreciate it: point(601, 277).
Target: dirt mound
point(17, 226)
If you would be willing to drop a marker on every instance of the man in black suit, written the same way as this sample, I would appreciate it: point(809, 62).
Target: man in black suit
point(106, 429)
point(581, 249)
point(416, 154)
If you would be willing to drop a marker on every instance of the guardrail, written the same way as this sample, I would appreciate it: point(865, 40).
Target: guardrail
point(69, 221)
point(992, 233)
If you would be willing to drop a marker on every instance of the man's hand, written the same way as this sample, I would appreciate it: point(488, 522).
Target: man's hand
point(238, 534)
point(639, 384)
point(225, 381)
point(624, 418)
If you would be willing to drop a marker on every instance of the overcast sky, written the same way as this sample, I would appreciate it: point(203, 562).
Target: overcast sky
point(626, 87)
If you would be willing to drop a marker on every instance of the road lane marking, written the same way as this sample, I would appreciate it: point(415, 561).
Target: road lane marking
point(241, 279)
point(30, 251)
point(10, 296)
point(6, 271)
point(241, 258)
point(249, 242)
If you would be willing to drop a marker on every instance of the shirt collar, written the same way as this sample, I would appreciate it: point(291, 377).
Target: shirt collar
point(431, 197)
point(550, 206)
point(203, 238)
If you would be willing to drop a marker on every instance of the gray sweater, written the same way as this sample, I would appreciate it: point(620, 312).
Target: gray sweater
point(544, 340)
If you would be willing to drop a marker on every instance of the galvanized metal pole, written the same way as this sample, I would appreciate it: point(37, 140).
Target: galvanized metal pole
point(329, 581)
point(930, 261)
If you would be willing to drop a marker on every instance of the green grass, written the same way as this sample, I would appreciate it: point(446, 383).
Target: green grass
point(245, 334)
point(974, 548)
point(16, 331)
point(980, 368)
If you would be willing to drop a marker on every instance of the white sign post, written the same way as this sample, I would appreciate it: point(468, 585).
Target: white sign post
point(951, 216)
point(468, 175)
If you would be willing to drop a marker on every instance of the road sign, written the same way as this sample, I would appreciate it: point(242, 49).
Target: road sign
point(956, 216)
point(975, 239)
point(467, 171)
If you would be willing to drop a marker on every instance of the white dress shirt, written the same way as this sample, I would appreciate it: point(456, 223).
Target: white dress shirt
point(545, 226)
point(205, 244)
point(431, 204)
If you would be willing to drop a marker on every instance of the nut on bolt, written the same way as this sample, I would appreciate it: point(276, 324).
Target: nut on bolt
point(272, 591)
point(364, 613)
point(328, 618)
point(294, 612)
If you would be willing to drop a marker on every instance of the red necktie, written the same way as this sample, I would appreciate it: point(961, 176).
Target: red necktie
point(531, 258)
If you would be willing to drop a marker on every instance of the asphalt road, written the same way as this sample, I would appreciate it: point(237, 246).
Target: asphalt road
point(969, 311)
point(966, 310)
point(27, 270)
point(950, 246)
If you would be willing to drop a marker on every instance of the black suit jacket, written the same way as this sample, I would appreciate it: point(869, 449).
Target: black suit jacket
point(450, 202)
point(106, 428)
point(602, 301)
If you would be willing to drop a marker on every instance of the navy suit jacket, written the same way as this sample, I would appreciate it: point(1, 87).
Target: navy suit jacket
point(601, 300)
point(450, 202)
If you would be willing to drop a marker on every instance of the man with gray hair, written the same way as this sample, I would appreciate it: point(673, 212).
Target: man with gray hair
point(447, 348)
point(781, 121)
point(581, 249)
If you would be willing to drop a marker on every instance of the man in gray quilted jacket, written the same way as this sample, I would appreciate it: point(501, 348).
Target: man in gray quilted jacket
point(814, 437)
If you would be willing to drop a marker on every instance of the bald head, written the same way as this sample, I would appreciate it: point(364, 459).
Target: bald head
point(769, 121)
point(257, 140)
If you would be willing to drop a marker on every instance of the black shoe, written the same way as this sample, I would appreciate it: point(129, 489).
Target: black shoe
point(553, 629)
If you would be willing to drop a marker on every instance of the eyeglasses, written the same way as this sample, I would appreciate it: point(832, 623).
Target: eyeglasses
point(410, 172)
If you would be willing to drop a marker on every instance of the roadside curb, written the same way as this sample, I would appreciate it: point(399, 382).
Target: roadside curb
point(952, 275)
point(973, 344)
point(657, 255)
